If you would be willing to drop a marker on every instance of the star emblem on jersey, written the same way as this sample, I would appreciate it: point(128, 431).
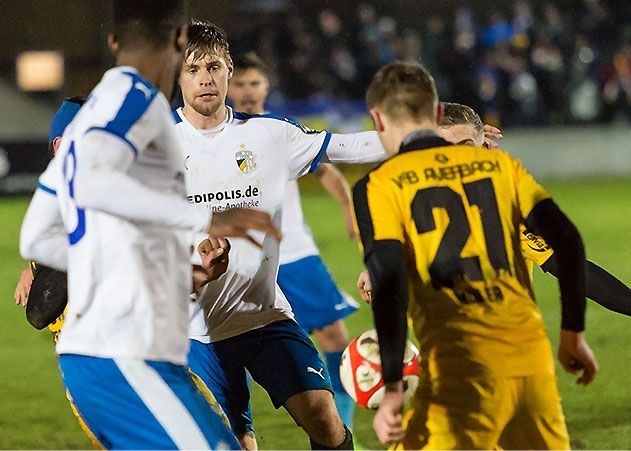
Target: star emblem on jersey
point(245, 159)
point(441, 158)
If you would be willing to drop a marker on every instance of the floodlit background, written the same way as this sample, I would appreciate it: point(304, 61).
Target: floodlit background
point(554, 75)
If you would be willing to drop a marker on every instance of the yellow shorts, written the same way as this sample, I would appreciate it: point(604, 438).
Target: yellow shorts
point(510, 413)
point(209, 397)
point(55, 327)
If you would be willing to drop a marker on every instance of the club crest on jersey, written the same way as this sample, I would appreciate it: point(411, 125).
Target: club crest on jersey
point(245, 159)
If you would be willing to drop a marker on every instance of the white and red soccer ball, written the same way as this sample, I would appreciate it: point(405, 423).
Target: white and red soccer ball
point(360, 370)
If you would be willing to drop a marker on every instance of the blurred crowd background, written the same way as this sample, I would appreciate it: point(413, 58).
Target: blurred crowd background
point(519, 63)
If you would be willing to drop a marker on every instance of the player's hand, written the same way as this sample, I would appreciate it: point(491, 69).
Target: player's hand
point(365, 286)
point(24, 287)
point(575, 355)
point(238, 222)
point(214, 254)
point(491, 134)
point(388, 422)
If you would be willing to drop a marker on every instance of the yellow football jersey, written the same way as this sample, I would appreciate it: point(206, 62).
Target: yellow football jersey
point(458, 211)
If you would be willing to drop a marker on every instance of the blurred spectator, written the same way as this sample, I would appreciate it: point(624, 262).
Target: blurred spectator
point(616, 87)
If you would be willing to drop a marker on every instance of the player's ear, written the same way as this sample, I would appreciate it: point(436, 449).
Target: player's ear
point(113, 43)
point(440, 112)
point(230, 65)
point(377, 119)
point(56, 143)
point(181, 38)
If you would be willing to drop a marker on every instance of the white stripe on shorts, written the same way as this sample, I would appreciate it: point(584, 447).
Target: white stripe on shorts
point(163, 403)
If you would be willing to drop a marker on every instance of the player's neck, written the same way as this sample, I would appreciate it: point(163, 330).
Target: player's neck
point(203, 122)
point(151, 65)
point(400, 132)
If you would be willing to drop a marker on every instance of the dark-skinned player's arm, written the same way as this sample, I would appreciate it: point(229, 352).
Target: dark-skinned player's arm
point(600, 286)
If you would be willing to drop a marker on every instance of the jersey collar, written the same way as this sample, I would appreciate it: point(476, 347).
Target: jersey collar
point(422, 139)
point(182, 118)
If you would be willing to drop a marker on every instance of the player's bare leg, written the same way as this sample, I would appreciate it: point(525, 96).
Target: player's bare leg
point(332, 340)
point(333, 337)
point(315, 412)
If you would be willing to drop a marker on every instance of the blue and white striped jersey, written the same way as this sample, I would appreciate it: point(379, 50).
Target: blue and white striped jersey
point(129, 273)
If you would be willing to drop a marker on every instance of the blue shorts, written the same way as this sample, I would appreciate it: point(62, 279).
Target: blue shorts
point(280, 357)
point(312, 293)
point(141, 404)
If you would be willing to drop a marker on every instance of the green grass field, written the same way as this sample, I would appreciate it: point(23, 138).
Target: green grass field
point(35, 414)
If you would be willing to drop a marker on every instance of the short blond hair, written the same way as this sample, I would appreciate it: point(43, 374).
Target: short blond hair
point(403, 91)
point(206, 38)
point(456, 113)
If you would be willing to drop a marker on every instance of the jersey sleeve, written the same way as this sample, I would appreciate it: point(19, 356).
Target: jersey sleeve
point(376, 213)
point(305, 147)
point(42, 237)
point(529, 192)
point(102, 183)
point(138, 120)
point(533, 247)
point(48, 180)
point(362, 147)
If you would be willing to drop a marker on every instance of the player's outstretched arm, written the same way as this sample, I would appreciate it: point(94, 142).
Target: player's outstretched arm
point(336, 185)
point(42, 237)
point(547, 220)
point(362, 147)
point(102, 184)
point(601, 286)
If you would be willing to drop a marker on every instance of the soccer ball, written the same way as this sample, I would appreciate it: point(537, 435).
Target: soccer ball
point(360, 370)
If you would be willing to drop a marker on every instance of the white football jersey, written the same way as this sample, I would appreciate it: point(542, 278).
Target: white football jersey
point(128, 281)
point(297, 241)
point(247, 164)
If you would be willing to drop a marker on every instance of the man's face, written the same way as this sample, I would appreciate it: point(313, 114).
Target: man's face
point(204, 82)
point(462, 134)
point(248, 90)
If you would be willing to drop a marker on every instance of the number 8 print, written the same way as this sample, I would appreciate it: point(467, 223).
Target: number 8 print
point(75, 216)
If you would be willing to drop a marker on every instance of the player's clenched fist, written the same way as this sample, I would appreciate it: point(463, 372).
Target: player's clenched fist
point(388, 423)
point(237, 222)
point(364, 286)
point(576, 356)
point(214, 253)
